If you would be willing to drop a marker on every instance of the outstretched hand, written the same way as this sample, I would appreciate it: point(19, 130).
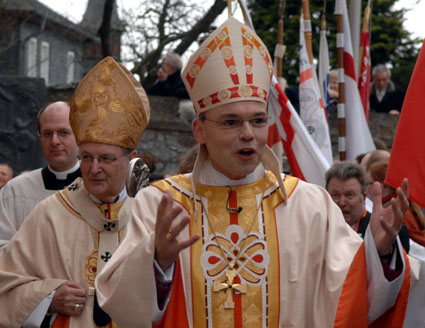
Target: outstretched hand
point(386, 223)
point(167, 229)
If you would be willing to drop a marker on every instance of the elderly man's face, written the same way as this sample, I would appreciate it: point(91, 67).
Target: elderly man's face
point(347, 194)
point(104, 169)
point(168, 68)
point(381, 80)
point(235, 135)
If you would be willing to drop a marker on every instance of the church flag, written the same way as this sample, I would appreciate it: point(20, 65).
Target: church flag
point(408, 151)
point(364, 78)
point(358, 137)
point(305, 159)
point(312, 112)
point(324, 69)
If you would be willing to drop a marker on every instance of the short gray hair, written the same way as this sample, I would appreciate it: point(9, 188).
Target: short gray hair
point(174, 60)
point(381, 68)
point(346, 170)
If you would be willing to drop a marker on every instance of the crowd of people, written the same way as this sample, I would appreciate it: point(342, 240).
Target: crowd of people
point(230, 241)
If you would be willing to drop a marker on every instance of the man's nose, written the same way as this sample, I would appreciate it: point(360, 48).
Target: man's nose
point(95, 165)
point(55, 138)
point(246, 132)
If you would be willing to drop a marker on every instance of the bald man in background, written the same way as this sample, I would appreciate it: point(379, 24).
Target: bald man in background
point(60, 151)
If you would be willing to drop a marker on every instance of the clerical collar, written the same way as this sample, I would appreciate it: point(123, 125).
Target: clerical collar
point(64, 174)
point(51, 182)
point(210, 176)
point(121, 197)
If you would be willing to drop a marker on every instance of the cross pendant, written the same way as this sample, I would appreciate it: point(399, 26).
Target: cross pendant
point(229, 287)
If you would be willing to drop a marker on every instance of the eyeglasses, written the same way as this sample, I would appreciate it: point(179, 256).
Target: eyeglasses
point(103, 159)
point(237, 123)
point(47, 134)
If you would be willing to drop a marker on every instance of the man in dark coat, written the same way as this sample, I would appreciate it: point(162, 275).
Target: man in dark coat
point(384, 95)
point(169, 83)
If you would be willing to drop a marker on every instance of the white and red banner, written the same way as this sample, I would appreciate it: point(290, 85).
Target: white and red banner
point(408, 152)
point(324, 70)
point(358, 137)
point(312, 112)
point(364, 78)
point(305, 159)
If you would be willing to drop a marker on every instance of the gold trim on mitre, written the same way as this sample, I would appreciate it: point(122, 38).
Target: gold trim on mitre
point(109, 106)
point(231, 65)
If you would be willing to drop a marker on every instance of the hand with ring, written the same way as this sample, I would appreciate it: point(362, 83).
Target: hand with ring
point(169, 223)
point(69, 299)
point(169, 236)
point(78, 308)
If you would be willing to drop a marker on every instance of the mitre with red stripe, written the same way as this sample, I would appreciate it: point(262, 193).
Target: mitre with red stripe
point(231, 65)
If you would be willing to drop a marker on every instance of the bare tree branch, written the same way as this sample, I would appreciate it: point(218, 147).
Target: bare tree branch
point(165, 26)
point(202, 26)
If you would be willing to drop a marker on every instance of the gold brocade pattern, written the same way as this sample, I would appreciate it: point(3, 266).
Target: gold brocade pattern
point(262, 284)
point(109, 106)
point(91, 268)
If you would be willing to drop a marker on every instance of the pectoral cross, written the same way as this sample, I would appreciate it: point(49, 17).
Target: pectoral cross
point(230, 287)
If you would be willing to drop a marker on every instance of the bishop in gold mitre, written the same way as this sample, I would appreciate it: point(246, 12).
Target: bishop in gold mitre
point(48, 270)
point(236, 243)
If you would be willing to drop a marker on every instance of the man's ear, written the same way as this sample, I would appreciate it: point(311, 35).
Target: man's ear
point(133, 154)
point(198, 130)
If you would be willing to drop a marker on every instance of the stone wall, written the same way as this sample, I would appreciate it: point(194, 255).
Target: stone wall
point(169, 133)
point(382, 126)
point(20, 100)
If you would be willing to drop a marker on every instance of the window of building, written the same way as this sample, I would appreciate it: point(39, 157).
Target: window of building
point(31, 67)
point(70, 67)
point(45, 61)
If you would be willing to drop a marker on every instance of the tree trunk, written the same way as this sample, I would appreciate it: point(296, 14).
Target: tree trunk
point(105, 28)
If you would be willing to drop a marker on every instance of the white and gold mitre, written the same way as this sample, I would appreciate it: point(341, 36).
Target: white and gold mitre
point(231, 65)
point(109, 106)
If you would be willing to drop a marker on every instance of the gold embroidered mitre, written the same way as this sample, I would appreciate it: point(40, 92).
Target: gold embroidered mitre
point(231, 65)
point(109, 106)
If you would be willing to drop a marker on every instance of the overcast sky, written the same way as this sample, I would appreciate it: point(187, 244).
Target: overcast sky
point(415, 21)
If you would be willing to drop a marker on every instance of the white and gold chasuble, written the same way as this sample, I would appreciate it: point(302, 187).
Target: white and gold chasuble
point(289, 260)
point(251, 237)
point(65, 238)
point(242, 237)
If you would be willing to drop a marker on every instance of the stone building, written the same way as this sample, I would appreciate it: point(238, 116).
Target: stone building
point(40, 48)
point(37, 42)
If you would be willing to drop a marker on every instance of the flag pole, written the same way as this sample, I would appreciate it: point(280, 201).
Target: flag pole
point(229, 8)
point(307, 30)
point(341, 94)
point(278, 68)
point(280, 48)
point(245, 14)
point(323, 22)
